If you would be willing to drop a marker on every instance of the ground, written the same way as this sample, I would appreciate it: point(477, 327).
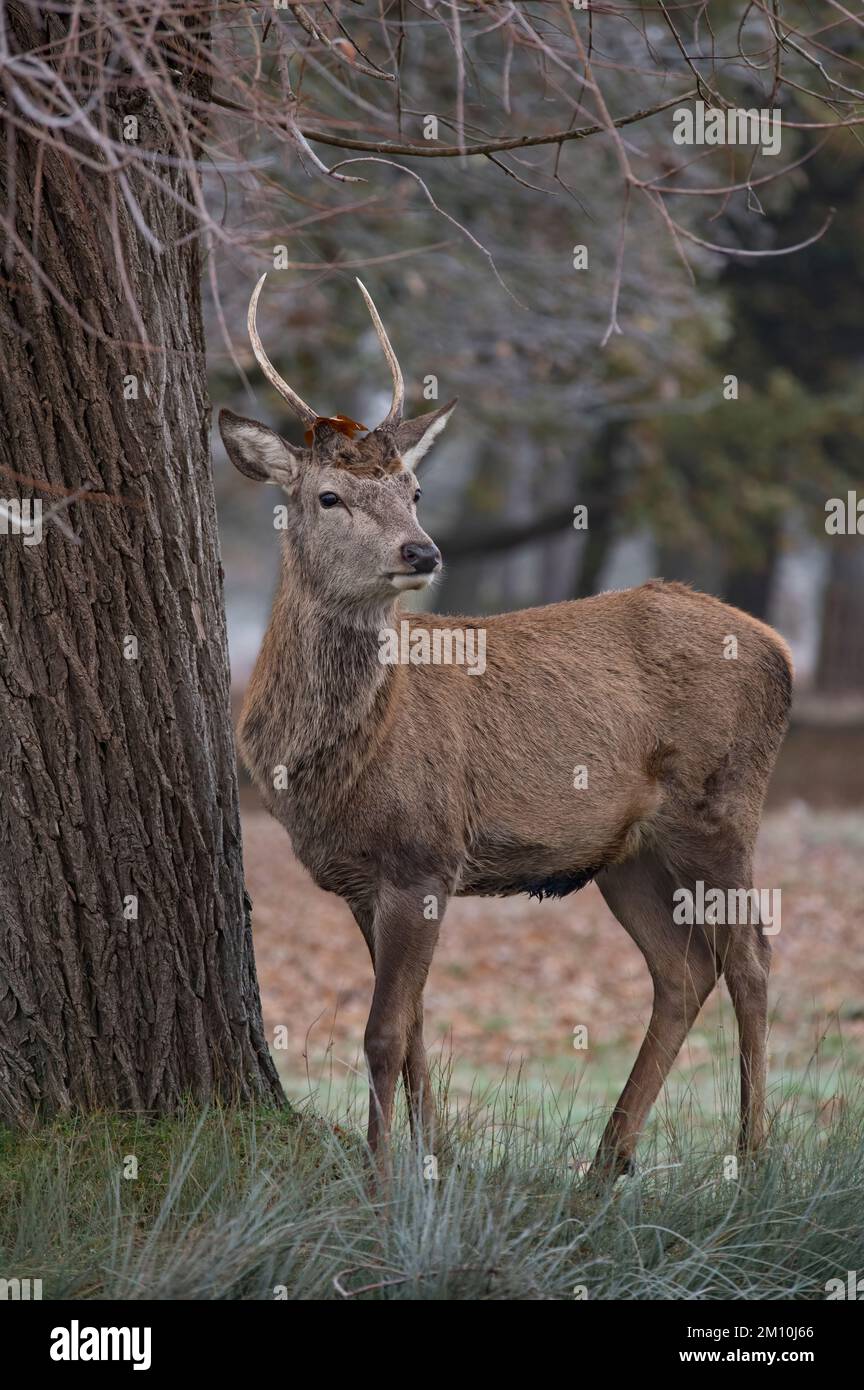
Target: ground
point(512, 978)
point(278, 1202)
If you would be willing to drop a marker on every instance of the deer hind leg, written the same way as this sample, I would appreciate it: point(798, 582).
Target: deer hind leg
point(746, 966)
point(743, 952)
point(684, 970)
point(404, 943)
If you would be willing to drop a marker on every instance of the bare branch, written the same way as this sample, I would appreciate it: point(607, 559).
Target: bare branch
point(518, 142)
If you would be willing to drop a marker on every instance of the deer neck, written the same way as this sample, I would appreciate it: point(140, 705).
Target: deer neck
point(320, 700)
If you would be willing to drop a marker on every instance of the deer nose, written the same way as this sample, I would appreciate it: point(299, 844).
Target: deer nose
point(423, 559)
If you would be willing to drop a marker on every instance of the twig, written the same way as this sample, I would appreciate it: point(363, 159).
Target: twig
point(372, 159)
point(614, 326)
point(305, 20)
point(516, 142)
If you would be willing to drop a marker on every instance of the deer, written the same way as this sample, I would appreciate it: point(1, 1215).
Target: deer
point(403, 784)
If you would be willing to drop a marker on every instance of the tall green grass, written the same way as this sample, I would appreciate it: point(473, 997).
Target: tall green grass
point(242, 1205)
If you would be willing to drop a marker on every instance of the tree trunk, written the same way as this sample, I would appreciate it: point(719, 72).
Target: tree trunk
point(751, 588)
point(599, 488)
point(841, 649)
point(127, 977)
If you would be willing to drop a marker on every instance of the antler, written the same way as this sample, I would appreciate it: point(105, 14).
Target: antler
point(304, 413)
point(394, 414)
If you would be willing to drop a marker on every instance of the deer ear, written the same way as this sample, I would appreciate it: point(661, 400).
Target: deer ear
point(259, 452)
point(415, 437)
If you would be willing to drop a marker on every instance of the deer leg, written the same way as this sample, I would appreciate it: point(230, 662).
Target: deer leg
point(418, 1086)
point(674, 1012)
point(404, 944)
point(747, 965)
point(684, 970)
point(415, 1072)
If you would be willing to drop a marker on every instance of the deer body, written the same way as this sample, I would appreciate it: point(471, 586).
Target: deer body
point(429, 764)
point(404, 785)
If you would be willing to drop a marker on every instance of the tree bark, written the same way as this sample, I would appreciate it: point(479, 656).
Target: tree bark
point(127, 977)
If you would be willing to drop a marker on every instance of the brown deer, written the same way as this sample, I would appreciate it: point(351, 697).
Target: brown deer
point(404, 784)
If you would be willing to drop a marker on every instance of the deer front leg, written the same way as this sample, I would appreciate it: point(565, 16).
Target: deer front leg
point(405, 939)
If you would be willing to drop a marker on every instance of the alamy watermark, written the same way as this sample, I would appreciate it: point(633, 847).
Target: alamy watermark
point(728, 907)
point(412, 645)
point(77, 1343)
point(20, 1290)
point(844, 516)
point(852, 1287)
point(21, 516)
point(715, 125)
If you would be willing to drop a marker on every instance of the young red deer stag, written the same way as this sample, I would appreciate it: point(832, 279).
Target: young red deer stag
point(403, 784)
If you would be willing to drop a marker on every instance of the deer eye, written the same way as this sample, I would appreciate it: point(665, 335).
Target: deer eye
point(328, 499)
point(418, 494)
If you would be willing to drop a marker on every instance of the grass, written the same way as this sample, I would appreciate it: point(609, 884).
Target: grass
point(261, 1205)
point(580, 1085)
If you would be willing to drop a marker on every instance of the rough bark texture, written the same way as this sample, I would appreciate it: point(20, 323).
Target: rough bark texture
point(117, 776)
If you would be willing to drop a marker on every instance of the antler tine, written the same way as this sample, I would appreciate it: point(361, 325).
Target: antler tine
point(394, 415)
point(304, 413)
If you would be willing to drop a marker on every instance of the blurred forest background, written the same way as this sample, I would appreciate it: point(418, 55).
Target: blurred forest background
point(474, 274)
point(599, 383)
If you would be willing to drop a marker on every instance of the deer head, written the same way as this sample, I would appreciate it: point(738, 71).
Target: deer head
point(352, 528)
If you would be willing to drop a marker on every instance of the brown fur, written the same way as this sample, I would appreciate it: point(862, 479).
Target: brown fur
point(373, 456)
point(408, 783)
